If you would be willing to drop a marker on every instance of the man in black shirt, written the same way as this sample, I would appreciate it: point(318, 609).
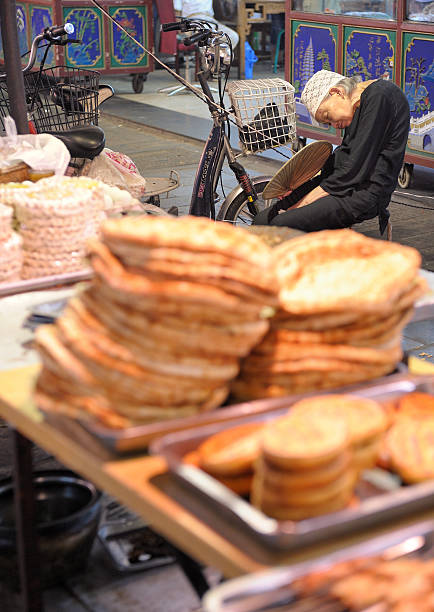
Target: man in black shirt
point(359, 178)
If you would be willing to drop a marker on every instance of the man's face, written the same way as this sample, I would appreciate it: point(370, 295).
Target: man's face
point(336, 110)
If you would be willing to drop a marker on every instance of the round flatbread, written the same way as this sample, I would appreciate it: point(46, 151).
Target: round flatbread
point(296, 441)
point(365, 418)
point(411, 450)
point(232, 451)
point(344, 271)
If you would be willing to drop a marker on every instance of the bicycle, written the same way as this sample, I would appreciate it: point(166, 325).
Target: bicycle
point(263, 112)
point(61, 101)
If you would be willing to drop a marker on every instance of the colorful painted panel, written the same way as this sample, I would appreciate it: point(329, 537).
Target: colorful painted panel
point(418, 84)
point(124, 51)
point(369, 53)
point(22, 26)
point(40, 18)
point(314, 47)
point(22, 31)
point(88, 24)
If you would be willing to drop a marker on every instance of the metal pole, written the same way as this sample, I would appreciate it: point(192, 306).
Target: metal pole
point(13, 69)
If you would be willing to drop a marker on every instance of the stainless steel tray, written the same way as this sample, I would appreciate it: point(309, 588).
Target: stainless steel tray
point(138, 437)
point(45, 282)
point(382, 498)
point(266, 590)
point(131, 439)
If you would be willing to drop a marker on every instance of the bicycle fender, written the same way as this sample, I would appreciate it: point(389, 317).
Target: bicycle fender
point(236, 191)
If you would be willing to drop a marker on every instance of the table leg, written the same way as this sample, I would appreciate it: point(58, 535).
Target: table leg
point(27, 544)
point(193, 572)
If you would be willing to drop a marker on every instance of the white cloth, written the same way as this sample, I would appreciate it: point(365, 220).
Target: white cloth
point(194, 7)
point(317, 88)
point(202, 9)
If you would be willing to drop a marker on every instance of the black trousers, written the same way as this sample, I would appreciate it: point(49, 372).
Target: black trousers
point(329, 212)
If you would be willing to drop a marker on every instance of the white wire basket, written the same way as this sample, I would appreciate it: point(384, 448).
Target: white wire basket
point(265, 113)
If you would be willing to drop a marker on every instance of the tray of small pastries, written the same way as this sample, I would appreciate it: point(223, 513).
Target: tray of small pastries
point(322, 466)
point(45, 225)
point(389, 573)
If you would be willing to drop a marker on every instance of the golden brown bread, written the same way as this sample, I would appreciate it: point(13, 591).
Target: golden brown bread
point(232, 451)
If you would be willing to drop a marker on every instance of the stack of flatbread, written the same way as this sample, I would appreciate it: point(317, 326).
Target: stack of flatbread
point(366, 421)
point(173, 306)
point(344, 301)
point(305, 467)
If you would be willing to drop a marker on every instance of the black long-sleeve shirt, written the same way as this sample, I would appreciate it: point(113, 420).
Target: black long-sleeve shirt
point(367, 163)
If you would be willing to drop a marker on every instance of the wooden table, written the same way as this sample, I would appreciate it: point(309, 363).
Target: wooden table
point(144, 485)
point(249, 14)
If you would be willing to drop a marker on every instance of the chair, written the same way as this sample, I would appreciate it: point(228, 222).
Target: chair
point(170, 43)
point(388, 229)
point(186, 51)
point(276, 55)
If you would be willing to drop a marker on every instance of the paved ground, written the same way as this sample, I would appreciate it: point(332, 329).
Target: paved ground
point(99, 588)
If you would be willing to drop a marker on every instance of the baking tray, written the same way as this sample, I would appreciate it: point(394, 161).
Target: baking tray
point(45, 282)
point(138, 437)
point(131, 439)
point(270, 589)
point(381, 494)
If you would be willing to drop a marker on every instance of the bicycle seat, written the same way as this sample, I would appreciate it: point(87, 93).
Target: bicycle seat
point(85, 141)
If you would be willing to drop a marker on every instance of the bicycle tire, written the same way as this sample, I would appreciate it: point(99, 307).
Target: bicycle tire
point(238, 211)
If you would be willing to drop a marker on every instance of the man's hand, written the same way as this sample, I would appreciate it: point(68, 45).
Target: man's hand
point(312, 196)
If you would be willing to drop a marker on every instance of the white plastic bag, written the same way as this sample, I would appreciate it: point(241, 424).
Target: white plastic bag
point(116, 169)
point(42, 152)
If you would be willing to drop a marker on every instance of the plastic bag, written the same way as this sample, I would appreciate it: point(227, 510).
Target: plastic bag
point(41, 152)
point(116, 169)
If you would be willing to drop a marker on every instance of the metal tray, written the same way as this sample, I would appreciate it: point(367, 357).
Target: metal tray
point(138, 437)
point(120, 441)
point(44, 282)
point(382, 498)
point(267, 590)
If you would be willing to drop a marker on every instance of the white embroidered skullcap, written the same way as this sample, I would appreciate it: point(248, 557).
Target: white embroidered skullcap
point(317, 88)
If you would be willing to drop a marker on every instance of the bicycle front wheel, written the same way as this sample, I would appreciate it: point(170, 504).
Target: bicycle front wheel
point(240, 211)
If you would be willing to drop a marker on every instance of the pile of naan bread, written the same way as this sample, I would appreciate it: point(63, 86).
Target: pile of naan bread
point(344, 300)
point(183, 313)
point(159, 334)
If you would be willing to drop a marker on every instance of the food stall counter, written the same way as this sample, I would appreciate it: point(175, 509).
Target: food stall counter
point(144, 485)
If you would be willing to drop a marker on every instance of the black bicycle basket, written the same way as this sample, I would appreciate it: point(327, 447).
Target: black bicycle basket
point(57, 98)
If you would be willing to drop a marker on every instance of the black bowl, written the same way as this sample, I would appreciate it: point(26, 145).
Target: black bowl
point(68, 509)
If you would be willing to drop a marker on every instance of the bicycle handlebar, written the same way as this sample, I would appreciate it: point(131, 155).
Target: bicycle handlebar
point(53, 35)
point(171, 26)
point(58, 31)
point(195, 38)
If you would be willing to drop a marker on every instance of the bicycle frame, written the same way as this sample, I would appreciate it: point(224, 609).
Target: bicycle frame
point(210, 164)
point(216, 149)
